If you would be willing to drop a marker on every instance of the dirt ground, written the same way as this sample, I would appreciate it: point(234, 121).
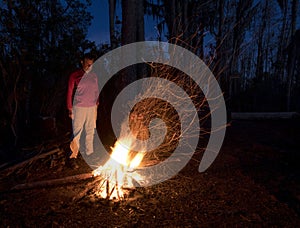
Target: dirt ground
point(253, 182)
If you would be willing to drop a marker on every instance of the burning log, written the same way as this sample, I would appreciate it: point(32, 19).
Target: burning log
point(104, 188)
point(118, 172)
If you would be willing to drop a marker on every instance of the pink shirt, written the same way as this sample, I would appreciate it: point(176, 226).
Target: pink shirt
point(82, 89)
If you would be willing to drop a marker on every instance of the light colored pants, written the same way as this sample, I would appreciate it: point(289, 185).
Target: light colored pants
point(84, 124)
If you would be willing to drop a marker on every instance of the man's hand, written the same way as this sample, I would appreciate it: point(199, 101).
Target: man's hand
point(71, 114)
point(96, 110)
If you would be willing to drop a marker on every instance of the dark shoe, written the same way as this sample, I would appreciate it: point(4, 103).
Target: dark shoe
point(73, 163)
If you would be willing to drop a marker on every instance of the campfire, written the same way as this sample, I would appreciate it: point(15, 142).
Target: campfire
point(159, 120)
point(118, 172)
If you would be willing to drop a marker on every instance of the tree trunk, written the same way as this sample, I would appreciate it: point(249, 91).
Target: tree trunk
point(219, 40)
point(170, 19)
point(281, 45)
point(292, 54)
point(241, 20)
point(260, 60)
point(132, 31)
point(140, 33)
point(112, 14)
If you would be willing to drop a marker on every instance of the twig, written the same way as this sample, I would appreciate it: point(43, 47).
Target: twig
point(47, 183)
point(43, 155)
point(88, 188)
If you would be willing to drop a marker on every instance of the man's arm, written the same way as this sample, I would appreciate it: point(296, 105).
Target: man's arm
point(71, 85)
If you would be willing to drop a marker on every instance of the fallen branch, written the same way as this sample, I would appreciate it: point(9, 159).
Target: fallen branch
point(43, 155)
point(2, 166)
point(88, 188)
point(60, 181)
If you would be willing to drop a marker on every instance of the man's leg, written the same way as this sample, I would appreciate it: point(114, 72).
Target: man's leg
point(90, 126)
point(78, 123)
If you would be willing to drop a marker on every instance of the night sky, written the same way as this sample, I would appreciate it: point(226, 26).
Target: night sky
point(99, 29)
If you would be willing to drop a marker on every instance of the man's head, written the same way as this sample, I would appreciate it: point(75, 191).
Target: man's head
point(87, 62)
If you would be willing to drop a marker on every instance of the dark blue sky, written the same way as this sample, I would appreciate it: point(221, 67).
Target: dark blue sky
point(99, 30)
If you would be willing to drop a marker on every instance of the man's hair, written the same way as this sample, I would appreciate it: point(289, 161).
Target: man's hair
point(89, 55)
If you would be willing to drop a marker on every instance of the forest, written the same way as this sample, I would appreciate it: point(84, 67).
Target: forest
point(252, 47)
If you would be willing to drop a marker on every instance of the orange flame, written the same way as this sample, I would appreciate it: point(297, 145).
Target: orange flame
point(117, 171)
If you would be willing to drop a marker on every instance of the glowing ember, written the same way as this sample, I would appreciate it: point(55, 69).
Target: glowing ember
point(118, 172)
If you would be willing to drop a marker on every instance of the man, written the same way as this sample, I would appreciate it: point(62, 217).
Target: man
point(82, 102)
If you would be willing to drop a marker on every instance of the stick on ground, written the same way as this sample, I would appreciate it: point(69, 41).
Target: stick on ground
point(47, 183)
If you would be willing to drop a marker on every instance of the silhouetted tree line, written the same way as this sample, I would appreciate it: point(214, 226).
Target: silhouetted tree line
point(251, 46)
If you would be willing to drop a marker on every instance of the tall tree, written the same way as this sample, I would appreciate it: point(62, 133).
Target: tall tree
point(112, 21)
point(243, 14)
point(283, 39)
point(132, 21)
point(132, 31)
point(185, 21)
point(293, 51)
